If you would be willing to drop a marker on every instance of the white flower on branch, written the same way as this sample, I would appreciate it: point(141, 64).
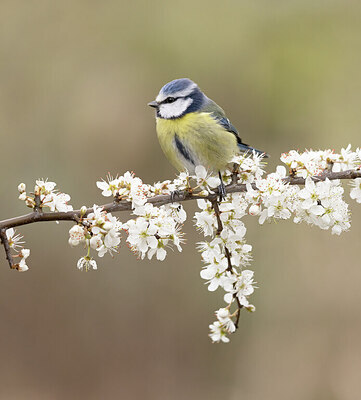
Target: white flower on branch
point(22, 266)
point(205, 181)
point(244, 287)
point(77, 235)
point(346, 160)
point(141, 235)
point(355, 193)
point(104, 229)
point(218, 332)
point(125, 187)
point(215, 274)
point(49, 197)
point(321, 204)
point(205, 220)
point(225, 318)
point(22, 188)
point(155, 229)
point(86, 263)
point(14, 240)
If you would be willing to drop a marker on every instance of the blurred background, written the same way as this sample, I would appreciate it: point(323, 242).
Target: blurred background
point(75, 78)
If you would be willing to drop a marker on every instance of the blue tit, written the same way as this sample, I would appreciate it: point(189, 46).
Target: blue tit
point(193, 130)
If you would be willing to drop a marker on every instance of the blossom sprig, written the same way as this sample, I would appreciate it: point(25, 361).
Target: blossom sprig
point(226, 256)
point(127, 186)
point(155, 229)
point(12, 241)
point(45, 195)
point(313, 163)
point(223, 326)
point(158, 216)
point(100, 231)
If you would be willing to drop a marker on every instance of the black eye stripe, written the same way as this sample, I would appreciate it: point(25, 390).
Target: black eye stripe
point(169, 100)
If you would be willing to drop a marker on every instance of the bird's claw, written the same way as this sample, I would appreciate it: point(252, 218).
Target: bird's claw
point(174, 194)
point(222, 191)
point(221, 188)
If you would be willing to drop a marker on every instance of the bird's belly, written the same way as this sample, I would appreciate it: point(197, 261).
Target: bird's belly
point(196, 139)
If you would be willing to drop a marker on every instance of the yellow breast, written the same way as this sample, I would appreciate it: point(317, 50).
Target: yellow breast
point(196, 139)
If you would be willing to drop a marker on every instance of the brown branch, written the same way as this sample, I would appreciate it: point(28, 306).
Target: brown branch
point(39, 216)
point(228, 255)
point(218, 216)
point(5, 243)
point(160, 200)
point(349, 174)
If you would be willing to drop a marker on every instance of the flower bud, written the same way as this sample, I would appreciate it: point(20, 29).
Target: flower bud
point(254, 209)
point(222, 313)
point(83, 211)
point(22, 196)
point(30, 202)
point(22, 187)
point(100, 221)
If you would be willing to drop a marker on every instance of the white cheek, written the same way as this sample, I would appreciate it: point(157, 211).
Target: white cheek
point(174, 110)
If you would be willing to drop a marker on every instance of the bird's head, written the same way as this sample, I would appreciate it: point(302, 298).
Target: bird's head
point(177, 98)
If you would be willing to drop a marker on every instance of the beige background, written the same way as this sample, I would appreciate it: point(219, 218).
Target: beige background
point(75, 77)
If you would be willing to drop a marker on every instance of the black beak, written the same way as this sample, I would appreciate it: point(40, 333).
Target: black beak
point(153, 104)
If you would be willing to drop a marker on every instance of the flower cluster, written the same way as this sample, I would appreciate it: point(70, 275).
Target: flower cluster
point(127, 187)
point(321, 204)
point(223, 326)
point(48, 196)
point(100, 231)
point(155, 229)
point(313, 163)
point(226, 255)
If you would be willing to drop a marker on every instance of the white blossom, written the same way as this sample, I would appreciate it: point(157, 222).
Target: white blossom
point(86, 263)
point(14, 239)
point(22, 266)
point(355, 192)
point(205, 180)
point(22, 188)
point(77, 235)
point(218, 332)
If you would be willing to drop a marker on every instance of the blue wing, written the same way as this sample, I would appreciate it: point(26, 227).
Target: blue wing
point(221, 118)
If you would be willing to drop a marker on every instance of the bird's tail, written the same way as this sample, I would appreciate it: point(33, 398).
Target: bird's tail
point(248, 149)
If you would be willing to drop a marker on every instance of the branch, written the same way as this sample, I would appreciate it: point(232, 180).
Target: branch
point(228, 256)
point(160, 200)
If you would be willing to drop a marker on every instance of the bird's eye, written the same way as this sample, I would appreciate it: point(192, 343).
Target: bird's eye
point(170, 100)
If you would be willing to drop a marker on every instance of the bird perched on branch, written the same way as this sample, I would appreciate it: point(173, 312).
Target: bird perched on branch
point(193, 130)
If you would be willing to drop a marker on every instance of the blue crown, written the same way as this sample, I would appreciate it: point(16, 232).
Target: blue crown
point(176, 86)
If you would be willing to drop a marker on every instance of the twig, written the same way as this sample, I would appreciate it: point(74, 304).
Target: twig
point(228, 255)
point(5, 242)
point(218, 216)
point(229, 268)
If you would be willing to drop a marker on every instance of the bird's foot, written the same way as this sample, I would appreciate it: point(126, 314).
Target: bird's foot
point(221, 189)
point(174, 194)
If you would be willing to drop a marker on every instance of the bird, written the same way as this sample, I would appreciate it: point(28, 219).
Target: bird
point(193, 130)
